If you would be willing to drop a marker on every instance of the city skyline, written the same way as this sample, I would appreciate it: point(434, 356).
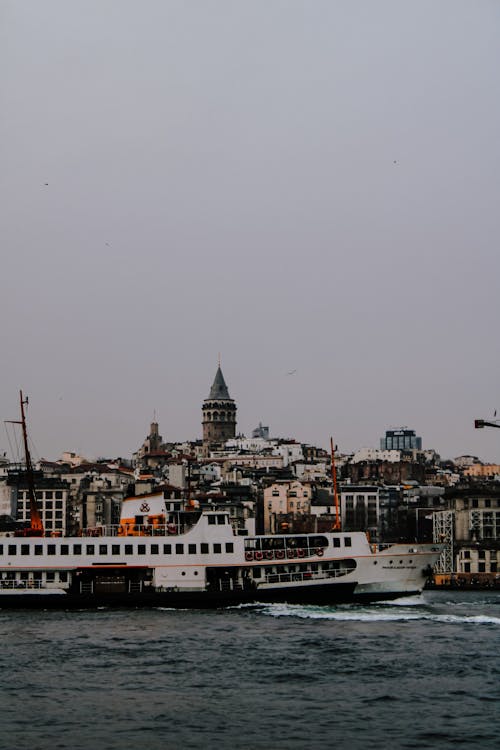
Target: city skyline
point(310, 189)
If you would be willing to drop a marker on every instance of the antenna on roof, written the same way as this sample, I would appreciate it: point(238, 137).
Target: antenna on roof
point(219, 359)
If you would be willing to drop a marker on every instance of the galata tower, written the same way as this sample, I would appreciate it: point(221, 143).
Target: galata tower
point(218, 413)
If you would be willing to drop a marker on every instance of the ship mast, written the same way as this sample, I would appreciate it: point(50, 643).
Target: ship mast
point(36, 524)
point(337, 525)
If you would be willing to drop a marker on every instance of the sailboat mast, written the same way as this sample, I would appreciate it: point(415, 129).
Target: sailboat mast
point(337, 525)
point(36, 524)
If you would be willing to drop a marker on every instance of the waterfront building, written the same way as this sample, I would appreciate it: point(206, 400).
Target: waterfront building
point(285, 498)
point(470, 528)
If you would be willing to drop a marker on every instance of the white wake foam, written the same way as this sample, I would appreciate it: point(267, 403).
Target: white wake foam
point(372, 615)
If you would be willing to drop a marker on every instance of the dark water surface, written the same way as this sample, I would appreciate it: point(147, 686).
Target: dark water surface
point(422, 672)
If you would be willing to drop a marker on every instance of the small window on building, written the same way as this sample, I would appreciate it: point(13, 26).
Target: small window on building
point(63, 576)
point(179, 549)
point(51, 549)
point(25, 549)
point(103, 549)
point(192, 549)
point(77, 549)
point(481, 567)
point(211, 520)
point(64, 549)
point(155, 549)
point(115, 549)
point(90, 549)
point(141, 549)
point(204, 548)
point(167, 549)
point(221, 520)
point(229, 547)
point(347, 541)
point(50, 576)
point(217, 549)
point(466, 567)
point(38, 549)
point(12, 549)
point(129, 549)
point(336, 541)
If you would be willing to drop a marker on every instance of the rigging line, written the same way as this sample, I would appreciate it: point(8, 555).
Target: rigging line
point(14, 449)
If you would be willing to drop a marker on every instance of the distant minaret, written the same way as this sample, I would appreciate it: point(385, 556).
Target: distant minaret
point(219, 413)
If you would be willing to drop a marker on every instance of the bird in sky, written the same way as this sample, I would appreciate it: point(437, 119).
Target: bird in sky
point(292, 372)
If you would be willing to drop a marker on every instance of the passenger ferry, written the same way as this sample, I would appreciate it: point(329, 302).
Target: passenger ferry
point(159, 556)
point(192, 558)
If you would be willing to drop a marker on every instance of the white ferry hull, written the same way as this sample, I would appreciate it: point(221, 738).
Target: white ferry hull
point(205, 564)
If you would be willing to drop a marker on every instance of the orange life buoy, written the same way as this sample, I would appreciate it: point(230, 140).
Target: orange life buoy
point(258, 555)
point(269, 554)
point(280, 554)
point(248, 555)
point(300, 552)
point(319, 552)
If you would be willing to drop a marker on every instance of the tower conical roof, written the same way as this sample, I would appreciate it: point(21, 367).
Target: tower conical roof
point(219, 387)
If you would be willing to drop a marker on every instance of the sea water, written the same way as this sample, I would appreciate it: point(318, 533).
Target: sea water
point(420, 672)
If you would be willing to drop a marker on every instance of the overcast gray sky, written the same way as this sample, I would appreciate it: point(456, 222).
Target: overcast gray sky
point(309, 185)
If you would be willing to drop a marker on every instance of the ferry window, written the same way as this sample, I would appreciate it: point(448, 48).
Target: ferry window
point(257, 572)
point(179, 549)
point(211, 520)
point(58, 503)
point(58, 495)
point(58, 524)
point(167, 549)
point(217, 548)
point(77, 549)
point(48, 495)
point(37, 576)
point(50, 575)
point(48, 504)
point(129, 550)
point(192, 549)
point(347, 541)
point(229, 547)
point(103, 549)
point(155, 549)
point(1, 549)
point(64, 549)
point(25, 549)
point(221, 520)
point(204, 548)
point(51, 549)
point(115, 549)
point(63, 576)
point(141, 549)
point(58, 513)
point(12, 549)
point(90, 549)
